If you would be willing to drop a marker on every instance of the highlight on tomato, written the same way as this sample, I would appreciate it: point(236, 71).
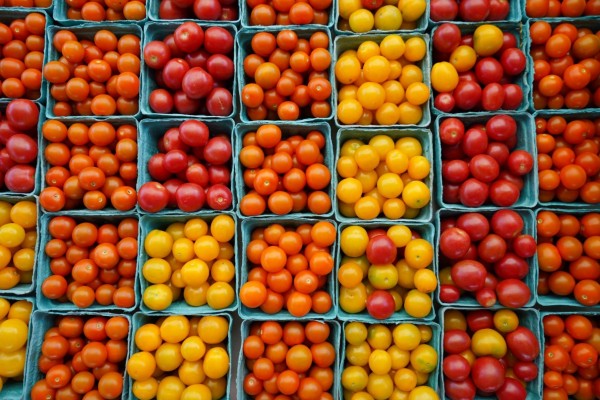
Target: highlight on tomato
point(109, 10)
point(207, 10)
point(361, 16)
point(14, 330)
point(282, 12)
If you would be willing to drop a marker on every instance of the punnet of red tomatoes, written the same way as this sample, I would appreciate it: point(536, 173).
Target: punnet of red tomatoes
point(362, 16)
point(289, 358)
point(479, 70)
point(14, 330)
point(568, 159)
point(286, 12)
point(286, 74)
point(486, 161)
point(93, 71)
point(566, 71)
point(389, 361)
point(26, 3)
point(23, 48)
point(380, 80)
point(568, 257)
point(89, 165)
point(88, 263)
point(188, 265)
point(561, 8)
point(71, 12)
point(475, 10)
point(19, 151)
point(285, 169)
point(77, 356)
point(386, 272)
point(491, 353)
point(208, 10)
point(390, 174)
point(180, 357)
point(288, 269)
point(188, 69)
point(572, 343)
point(190, 166)
point(487, 256)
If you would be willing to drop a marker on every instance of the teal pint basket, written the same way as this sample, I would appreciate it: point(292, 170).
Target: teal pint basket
point(466, 301)
point(521, 33)
point(344, 43)
point(60, 16)
point(243, 42)
point(287, 130)
point(26, 289)
point(256, 314)
point(151, 130)
point(364, 135)
point(43, 264)
point(525, 141)
point(41, 322)
point(422, 24)
point(335, 334)
point(153, 8)
point(160, 30)
point(426, 231)
point(180, 307)
point(245, 12)
point(515, 14)
point(86, 32)
point(140, 319)
point(529, 318)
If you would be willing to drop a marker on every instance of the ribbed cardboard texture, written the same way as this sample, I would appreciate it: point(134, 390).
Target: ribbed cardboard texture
point(60, 16)
point(43, 263)
point(343, 43)
point(365, 134)
point(245, 12)
point(426, 230)
point(467, 300)
point(525, 141)
point(180, 307)
point(256, 314)
point(160, 30)
point(288, 129)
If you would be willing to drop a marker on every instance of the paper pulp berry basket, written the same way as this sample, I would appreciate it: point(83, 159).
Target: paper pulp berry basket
point(151, 130)
point(180, 307)
point(43, 263)
point(525, 141)
point(529, 318)
point(248, 226)
point(469, 301)
point(344, 43)
point(364, 135)
point(426, 230)
point(288, 129)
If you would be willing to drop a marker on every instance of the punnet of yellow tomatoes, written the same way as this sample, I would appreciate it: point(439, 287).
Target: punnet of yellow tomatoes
point(14, 329)
point(382, 80)
point(384, 175)
point(188, 265)
point(179, 357)
point(18, 239)
point(390, 361)
point(385, 272)
point(360, 16)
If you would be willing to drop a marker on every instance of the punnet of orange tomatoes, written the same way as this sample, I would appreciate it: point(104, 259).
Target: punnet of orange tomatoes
point(77, 356)
point(566, 68)
point(562, 8)
point(286, 74)
point(93, 70)
point(15, 314)
point(286, 169)
point(181, 357)
point(72, 12)
point(568, 159)
point(385, 272)
point(382, 80)
point(568, 257)
point(383, 176)
point(286, 12)
point(88, 262)
point(289, 358)
point(389, 361)
point(89, 165)
point(188, 265)
point(287, 270)
point(23, 47)
point(364, 16)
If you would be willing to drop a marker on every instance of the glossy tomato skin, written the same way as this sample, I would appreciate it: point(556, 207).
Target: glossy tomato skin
point(444, 102)
point(444, 10)
point(22, 148)
point(218, 40)
point(446, 37)
point(381, 250)
point(156, 54)
point(480, 319)
point(523, 344)
point(454, 243)
point(492, 97)
point(507, 223)
point(467, 95)
point(380, 304)
point(513, 61)
point(526, 371)
point(449, 293)
point(455, 171)
point(456, 341)
point(153, 197)
point(190, 197)
point(20, 178)
point(475, 224)
point(473, 193)
point(456, 368)
point(219, 197)
point(513, 96)
point(488, 70)
point(511, 389)
point(474, 10)
point(504, 193)
point(469, 275)
point(464, 390)
point(197, 83)
point(513, 293)
point(488, 374)
point(219, 102)
point(22, 114)
point(189, 37)
point(511, 266)
point(217, 151)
